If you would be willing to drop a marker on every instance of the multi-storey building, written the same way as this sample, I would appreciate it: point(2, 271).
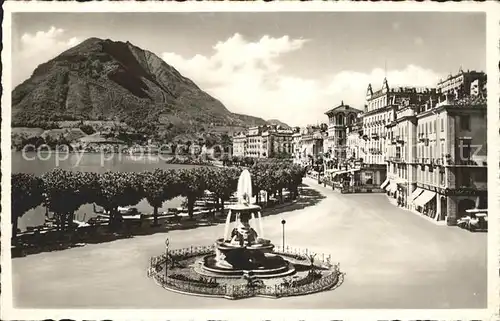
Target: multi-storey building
point(277, 142)
point(340, 119)
point(451, 165)
point(263, 142)
point(380, 114)
point(296, 147)
point(239, 144)
point(436, 150)
point(255, 147)
point(311, 143)
point(401, 153)
point(355, 148)
point(464, 83)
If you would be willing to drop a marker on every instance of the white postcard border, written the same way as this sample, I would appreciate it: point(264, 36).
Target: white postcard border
point(493, 57)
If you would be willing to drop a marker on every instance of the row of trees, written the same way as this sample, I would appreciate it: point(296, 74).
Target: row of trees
point(63, 192)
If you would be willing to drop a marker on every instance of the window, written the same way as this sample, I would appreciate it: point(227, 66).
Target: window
point(441, 178)
point(465, 122)
point(434, 124)
point(442, 124)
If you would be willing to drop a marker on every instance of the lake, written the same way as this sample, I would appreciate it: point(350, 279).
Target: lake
point(43, 162)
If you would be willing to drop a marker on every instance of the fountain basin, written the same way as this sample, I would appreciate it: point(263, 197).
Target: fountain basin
point(277, 267)
point(234, 260)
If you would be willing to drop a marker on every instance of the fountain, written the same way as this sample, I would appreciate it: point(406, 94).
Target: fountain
point(241, 249)
point(242, 263)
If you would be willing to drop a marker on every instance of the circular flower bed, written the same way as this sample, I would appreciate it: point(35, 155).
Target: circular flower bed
point(179, 271)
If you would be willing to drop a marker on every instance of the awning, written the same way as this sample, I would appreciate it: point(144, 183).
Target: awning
point(384, 184)
point(416, 193)
point(477, 210)
point(424, 198)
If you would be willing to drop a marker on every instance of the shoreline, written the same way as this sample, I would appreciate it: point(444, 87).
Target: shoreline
point(102, 235)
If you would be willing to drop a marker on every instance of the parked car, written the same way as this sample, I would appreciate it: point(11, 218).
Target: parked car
point(476, 219)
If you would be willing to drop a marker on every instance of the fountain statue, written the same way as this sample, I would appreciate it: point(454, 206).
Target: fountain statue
point(242, 249)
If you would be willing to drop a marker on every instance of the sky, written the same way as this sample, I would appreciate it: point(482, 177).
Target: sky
point(291, 66)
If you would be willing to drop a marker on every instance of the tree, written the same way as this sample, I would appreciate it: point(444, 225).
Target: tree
point(223, 182)
point(66, 191)
point(26, 194)
point(295, 179)
point(191, 184)
point(248, 161)
point(281, 175)
point(225, 140)
point(260, 180)
point(158, 186)
point(118, 189)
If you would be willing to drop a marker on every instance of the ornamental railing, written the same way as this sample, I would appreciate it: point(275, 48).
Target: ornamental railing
point(329, 276)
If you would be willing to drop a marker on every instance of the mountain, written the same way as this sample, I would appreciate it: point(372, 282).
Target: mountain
point(278, 123)
point(105, 80)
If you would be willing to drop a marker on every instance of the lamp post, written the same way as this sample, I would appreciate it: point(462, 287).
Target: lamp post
point(283, 222)
point(167, 242)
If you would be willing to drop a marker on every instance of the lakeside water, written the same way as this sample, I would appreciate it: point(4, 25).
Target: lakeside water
point(44, 162)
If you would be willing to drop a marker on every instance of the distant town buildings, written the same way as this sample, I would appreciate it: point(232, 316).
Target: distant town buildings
point(264, 142)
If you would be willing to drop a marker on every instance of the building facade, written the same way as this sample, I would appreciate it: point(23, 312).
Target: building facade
point(379, 119)
point(296, 146)
point(452, 157)
point(340, 119)
point(311, 144)
point(239, 144)
point(264, 142)
point(436, 150)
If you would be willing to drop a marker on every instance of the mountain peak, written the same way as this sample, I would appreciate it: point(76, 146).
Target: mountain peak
point(102, 79)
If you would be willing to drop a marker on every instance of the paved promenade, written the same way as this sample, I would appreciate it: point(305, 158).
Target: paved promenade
point(392, 259)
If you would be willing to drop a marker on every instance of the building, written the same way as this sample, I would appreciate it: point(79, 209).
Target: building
point(463, 84)
point(263, 142)
point(355, 151)
point(379, 117)
point(239, 144)
point(255, 148)
point(278, 142)
point(401, 153)
point(296, 146)
point(436, 150)
point(311, 144)
point(340, 119)
point(451, 164)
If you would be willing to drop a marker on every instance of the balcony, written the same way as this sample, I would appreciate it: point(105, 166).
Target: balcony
point(396, 159)
point(374, 136)
point(470, 162)
point(438, 161)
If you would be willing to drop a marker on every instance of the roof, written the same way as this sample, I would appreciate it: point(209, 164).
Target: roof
point(343, 108)
point(96, 138)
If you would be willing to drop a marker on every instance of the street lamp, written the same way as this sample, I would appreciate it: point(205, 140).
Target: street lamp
point(283, 222)
point(167, 242)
